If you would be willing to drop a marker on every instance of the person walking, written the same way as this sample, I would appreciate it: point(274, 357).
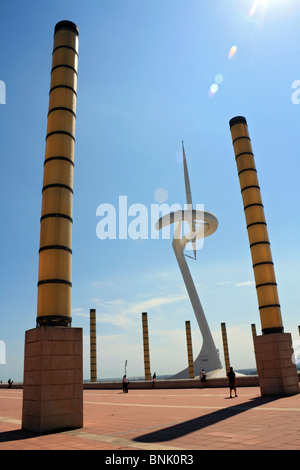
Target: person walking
point(232, 382)
point(202, 376)
point(153, 380)
point(125, 384)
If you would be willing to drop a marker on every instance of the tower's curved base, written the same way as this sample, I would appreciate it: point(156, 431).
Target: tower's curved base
point(204, 361)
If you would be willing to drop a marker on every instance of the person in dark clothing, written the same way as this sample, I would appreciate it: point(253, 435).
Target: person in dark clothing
point(232, 382)
point(153, 380)
point(202, 376)
point(125, 384)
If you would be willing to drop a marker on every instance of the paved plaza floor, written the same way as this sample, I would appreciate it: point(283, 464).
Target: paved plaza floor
point(176, 420)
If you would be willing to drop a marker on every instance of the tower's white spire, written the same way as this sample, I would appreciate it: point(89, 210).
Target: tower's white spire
point(189, 197)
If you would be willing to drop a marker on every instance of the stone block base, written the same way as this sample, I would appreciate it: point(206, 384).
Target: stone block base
point(53, 379)
point(276, 371)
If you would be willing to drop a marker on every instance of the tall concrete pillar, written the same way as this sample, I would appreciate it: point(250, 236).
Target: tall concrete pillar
point(273, 348)
point(93, 345)
point(263, 266)
point(55, 254)
point(225, 347)
point(52, 386)
point(189, 349)
point(146, 346)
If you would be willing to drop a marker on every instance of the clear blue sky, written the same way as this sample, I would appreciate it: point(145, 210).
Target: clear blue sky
point(145, 70)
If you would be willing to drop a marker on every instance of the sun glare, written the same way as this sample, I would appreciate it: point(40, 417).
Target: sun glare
point(257, 15)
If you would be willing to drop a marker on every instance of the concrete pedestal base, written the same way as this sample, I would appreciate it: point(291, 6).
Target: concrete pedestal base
point(276, 370)
point(53, 379)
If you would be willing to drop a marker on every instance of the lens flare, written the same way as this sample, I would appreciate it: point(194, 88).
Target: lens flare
point(161, 195)
point(257, 4)
point(219, 78)
point(232, 52)
point(213, 90)
point(254, 7)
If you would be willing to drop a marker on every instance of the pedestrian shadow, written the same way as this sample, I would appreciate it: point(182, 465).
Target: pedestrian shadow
point(196, 424)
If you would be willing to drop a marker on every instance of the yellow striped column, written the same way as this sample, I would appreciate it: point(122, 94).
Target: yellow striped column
point(93, 345)
point(55, 254)
point(266, 287)
point(189, 349)
point(146, 346)
point(225, 347)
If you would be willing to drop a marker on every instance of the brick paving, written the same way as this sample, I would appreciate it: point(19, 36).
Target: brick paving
point(164, 420)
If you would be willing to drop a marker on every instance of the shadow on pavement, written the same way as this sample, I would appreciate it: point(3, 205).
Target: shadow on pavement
point(195, 424)
point(21, 434)
point(16, 435)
